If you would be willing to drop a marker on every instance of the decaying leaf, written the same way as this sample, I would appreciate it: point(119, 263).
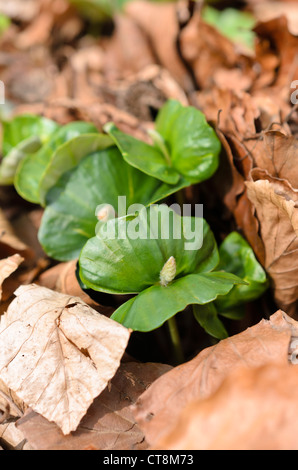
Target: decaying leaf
point(276, 202)
point(253, 409)
point(157, 409)
point(8, 237)
point(57, 354)
point(279, 156)
point(7, 267)
point(109, 423)
point(13, 438)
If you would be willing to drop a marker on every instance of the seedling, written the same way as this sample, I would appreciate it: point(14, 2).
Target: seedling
point(165, 276)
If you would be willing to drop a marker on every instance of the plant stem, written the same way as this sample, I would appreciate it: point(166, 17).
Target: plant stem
point(176, 341)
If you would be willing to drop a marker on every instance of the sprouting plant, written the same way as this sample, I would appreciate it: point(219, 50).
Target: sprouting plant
point(168, 261)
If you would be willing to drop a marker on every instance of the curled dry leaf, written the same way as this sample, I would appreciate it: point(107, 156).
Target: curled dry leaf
point(109, 423)
point(7, 267)
point(58, 354)
point(276, 204)
point(253, 409)
point(158, 409)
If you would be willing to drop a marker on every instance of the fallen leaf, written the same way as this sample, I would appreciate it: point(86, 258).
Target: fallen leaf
point(276, 208)
point(157, 410)
point(9, 238)
point(7, 267)
point(128, 51)
point(213, 57)
point(13, 438)
point(278, 154)
point(109, 423)
point(165, 48)
point(62, 278)
point(58, 354)
point(253, 409)
point(266, 11)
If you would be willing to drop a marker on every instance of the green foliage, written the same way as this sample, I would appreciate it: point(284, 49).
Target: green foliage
point(73, 170)
point(100, 10)
point(22, 136)
point(185, 146)
point(237, 257)
point(4, 23)
point(69, 219)
point(116, 262)
point(32, 168)
point(234, 24)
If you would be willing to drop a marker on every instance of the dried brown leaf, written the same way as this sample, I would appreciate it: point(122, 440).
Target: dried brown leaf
point(8, 239)
point(279, 156)
point(154, 19)
point(109, 423)
point(253, 409)
point(58, 354)
point(7, 267)
point(157, 410)
point(276, 207)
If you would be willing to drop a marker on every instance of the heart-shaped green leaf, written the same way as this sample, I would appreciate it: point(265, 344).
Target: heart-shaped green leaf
point(33, 167)
point(117, 262)
point(184, 146)
point(22, 136)
point(100, 178)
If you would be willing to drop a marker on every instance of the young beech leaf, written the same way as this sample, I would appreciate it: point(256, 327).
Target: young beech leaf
point(70, 217)
point(57, 353)
point(237, 257)
point(22, 136)
point(157, 265)
point(207, 317)
point(68, 156)
point(33, 167)
point(184, 146)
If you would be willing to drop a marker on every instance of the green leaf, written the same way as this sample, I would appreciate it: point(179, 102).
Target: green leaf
point(236, 256)
point(22, 136)
point(143, 156)
point(100, 178)
point(100, 10)
point(32, 169)
point(234, 24)
point(207, 316)
point(115, 263)
point(68, 156)
point(184, 146)
point(4, 23)
point(157, 304)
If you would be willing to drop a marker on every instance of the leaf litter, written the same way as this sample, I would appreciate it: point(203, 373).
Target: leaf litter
point(83, 391)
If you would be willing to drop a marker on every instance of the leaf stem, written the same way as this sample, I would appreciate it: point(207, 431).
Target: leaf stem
point(176, 341)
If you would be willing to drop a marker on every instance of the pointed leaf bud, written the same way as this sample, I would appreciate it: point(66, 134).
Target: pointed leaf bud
point(168, 272)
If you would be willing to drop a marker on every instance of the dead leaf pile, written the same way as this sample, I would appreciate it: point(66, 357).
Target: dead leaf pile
point(66, 382)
